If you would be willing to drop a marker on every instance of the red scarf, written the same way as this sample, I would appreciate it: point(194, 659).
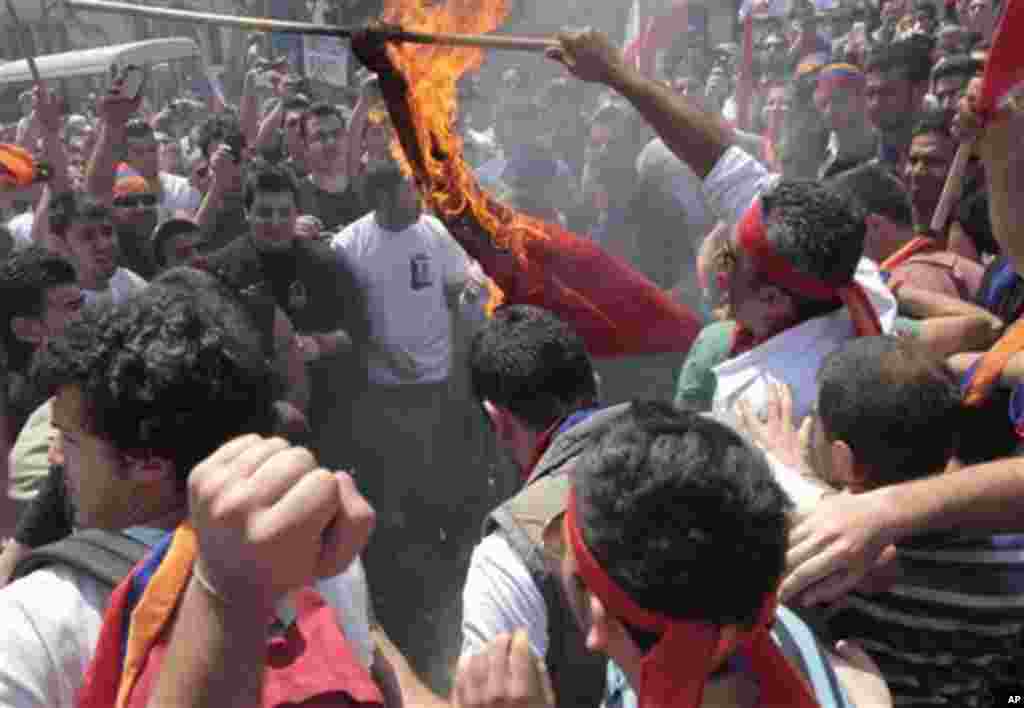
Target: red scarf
point(916, 245)
point(752, 237)
point(673, 673)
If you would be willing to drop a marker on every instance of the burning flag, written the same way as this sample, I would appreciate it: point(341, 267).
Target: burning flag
point(616, 310)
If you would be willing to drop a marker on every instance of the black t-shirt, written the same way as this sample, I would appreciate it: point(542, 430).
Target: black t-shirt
point(230, 223)
point(335, 210)
point(135, 254)
point(314, 287)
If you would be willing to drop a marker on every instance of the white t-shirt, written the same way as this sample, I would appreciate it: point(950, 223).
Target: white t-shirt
point(20, 227)
point(177, 195)
point(51, 622)
point(500, 597)
point(123, 284)
point(405, 276)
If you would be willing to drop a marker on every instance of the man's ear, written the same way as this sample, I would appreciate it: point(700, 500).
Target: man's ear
point(780, 305)
point(28, 330)
point(497, 415)
point(601, 625)
point(846, 469)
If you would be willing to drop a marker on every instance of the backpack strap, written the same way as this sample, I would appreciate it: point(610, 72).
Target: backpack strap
point(107, 556)
point(805, 653)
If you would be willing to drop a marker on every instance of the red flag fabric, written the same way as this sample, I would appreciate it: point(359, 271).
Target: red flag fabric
point(311, 664)
point(1004, 71)
point(616, 310)
point(647, 36)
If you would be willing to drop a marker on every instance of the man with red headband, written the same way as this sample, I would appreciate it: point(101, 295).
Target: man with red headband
point(841, 100)
point(797, 274)
point(797, 287)
point(661, 502)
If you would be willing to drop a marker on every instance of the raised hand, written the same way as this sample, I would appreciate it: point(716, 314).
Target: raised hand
point(505, 675)
point(270, 520)
point(589, 55)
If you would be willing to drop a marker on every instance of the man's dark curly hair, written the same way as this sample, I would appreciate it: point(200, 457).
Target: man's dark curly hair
point(24, 281)
point(683, 515)
point(173, 372)
point(528, 361)
point(819, 232)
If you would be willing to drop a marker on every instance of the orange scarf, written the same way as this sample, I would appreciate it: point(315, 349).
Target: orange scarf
point(990, 368)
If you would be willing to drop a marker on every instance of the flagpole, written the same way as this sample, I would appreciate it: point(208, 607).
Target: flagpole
point(23, 41)
point(260, 24)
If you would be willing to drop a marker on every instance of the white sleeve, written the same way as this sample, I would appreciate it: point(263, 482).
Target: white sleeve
point(50, 629)
point(735, 182)
point(500, 596)
point(349, 595)
point(345, 240)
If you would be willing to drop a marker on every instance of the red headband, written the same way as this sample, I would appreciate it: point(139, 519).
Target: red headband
point(673, 673)
point(753, 239)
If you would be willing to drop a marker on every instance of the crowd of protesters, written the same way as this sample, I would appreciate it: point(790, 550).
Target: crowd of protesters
point(210, 310)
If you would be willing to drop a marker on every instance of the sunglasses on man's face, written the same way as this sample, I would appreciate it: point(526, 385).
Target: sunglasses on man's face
point(134, 201)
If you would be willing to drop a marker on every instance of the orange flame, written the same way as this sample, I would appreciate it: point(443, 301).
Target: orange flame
point(432, 72)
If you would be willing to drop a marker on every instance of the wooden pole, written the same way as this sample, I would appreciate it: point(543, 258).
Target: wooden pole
point(953, 189)
point(259, 24)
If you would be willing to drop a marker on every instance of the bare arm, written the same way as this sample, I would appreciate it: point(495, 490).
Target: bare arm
point(833, 549)
point(357, 130)
point(401, 686)
point(249, 107)
point(28, 134)
point(49, 118)
point(964, 333)
point(921, 303)
point(290, 362)
point(114, 111)
point(224, 644)
point(225, 171)
point(268, 129)
point(696, 137)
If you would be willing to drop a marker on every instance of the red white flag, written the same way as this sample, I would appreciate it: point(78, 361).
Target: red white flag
point(650, 34)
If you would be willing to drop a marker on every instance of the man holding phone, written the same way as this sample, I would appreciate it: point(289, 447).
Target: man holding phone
point(122, 129)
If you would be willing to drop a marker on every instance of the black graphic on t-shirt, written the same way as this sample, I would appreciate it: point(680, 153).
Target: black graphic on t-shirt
point(420, 272)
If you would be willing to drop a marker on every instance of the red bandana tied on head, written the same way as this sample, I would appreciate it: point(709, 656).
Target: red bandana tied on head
point(673, 673)
point(774, 268)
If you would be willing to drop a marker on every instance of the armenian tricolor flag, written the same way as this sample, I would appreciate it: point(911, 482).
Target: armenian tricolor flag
point(309, 664)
